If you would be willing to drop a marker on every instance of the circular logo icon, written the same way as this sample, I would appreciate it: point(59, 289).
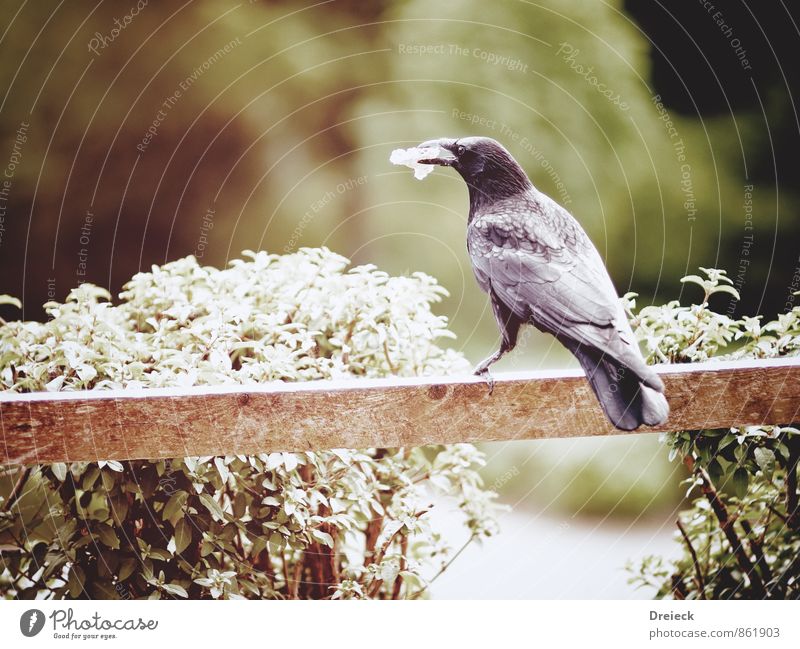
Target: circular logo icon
point(31, 622)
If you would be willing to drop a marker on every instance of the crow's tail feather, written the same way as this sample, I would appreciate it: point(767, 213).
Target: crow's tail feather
point(629, 398)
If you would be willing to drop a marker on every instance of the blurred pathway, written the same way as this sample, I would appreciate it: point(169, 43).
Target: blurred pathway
point(538, 557)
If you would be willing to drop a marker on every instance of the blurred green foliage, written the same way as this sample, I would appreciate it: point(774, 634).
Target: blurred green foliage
point(619, 478)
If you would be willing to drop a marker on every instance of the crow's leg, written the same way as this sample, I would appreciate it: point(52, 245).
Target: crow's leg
point(509, 328)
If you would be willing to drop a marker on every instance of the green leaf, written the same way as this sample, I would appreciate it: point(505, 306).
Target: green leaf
point(59, 470)
point(239, 505)
point(259, 543)
point(90, 477)
point(765, 459)
point(694, 279)
point(222, 468)
point(212, 506)
point(112, 465)
point(55, 562)
point(322, 537)
point(276, 542)
point(724, 288)
point(98, 507)
point(158, 553)
point(174, 506)
point(108, 536)
point(183, 535)
point(715, 472)
point(411, 579)
point(389, 571)
point(126, 568)
point(175, 589)
point(75, 581)
point(739, 482)
point(289, 461)
point(103, 589)
point(108, 479)
point(119, 507)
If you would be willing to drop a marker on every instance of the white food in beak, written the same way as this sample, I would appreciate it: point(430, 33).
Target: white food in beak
point(410, 158)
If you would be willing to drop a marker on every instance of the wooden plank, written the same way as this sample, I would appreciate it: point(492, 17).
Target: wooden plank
point(361, 413)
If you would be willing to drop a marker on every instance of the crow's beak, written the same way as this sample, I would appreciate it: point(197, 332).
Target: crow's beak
point(446, 158)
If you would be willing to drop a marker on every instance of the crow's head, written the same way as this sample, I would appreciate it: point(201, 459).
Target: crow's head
point(487, 167)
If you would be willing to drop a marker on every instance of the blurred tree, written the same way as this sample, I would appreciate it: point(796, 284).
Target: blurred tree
point(184, 131)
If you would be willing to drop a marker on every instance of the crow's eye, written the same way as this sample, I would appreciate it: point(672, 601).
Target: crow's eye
point(461, 149)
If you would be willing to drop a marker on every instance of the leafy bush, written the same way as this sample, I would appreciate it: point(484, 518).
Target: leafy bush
point(741, 535)
point(339, 524)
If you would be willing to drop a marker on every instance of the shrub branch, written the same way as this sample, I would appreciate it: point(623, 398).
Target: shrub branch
point(701, 582)
point(726, 525)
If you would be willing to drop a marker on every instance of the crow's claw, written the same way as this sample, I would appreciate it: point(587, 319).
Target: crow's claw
point(484, 372)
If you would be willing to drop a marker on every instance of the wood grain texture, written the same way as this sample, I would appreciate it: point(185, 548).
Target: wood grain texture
point(227, 420)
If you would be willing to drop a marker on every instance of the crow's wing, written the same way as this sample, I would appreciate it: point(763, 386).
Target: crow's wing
point(534, 256)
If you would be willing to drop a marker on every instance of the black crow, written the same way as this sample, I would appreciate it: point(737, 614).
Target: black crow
point(539, 266)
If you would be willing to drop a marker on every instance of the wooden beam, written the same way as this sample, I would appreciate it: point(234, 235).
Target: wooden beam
point(362, 413)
